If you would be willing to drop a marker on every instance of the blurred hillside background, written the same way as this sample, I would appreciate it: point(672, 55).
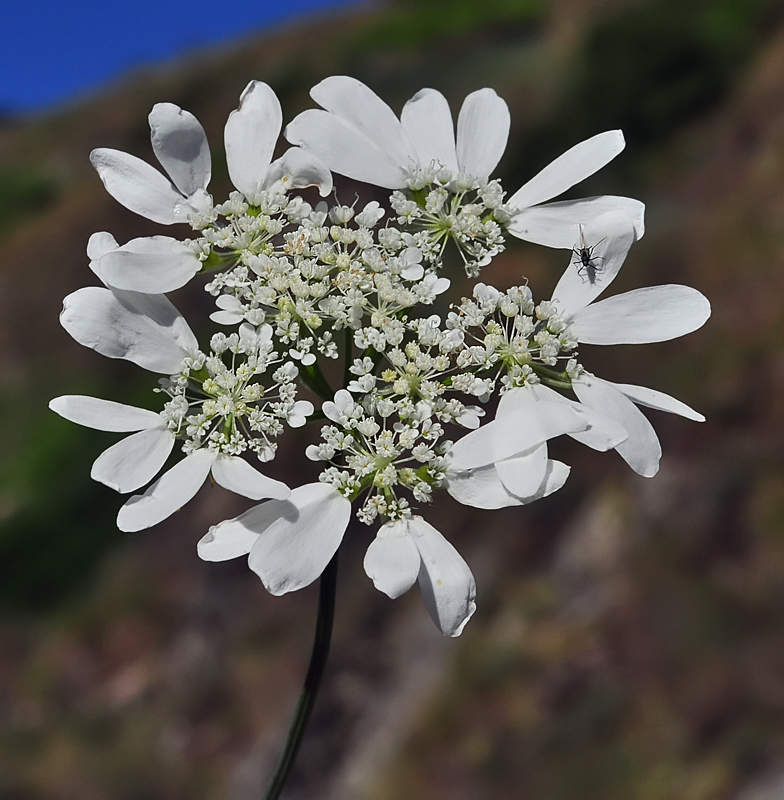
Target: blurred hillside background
point(629, 638)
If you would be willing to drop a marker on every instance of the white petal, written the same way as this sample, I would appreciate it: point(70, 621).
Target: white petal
point(608, 239)
point(231, 313)
point(226, 317)
point(344, 149)
point(482, 133)
point(555, 477)
point(412, 272)
point(641, 450)
point(236, 475)
point(392, 560)
point(558, 224)
point(427, 121)
point(502, 439)
point(299, 413)
point(652, 314)
point(517, 402)
point(225, 541)
point(168, 494)
point(154, 265)
point(228, 302)
point(104, 415)
point(575, 165)
point(448, 587)
point(144, 328)
point(180, 144)
point(601, 434)
point(134, 461)
point(99, 244)
point(654, 399)
point(361, 107)
point(294, 550)
point(139, 187)
point(235, 537)
point(480, 488)
point(297, 169)
point(335, 410)
point(523, 474)
point(250, 136)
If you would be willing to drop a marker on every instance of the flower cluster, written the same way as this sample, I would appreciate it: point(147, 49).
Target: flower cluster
point(299, 285)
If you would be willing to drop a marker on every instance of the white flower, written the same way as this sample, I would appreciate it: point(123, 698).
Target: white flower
point(505, 462)
point(153, 264)
point(137, 459)
point(651, 314)
point(641, 451)
point(143, 328)
point(358, 134)
point(160, 263)
point(132, 462)
point(250, 136)
point(343, 409)
point(288, 542)
point(179, 485)
point(149, 331)
point(409, 549)
point(180, 145)
point(558, 224)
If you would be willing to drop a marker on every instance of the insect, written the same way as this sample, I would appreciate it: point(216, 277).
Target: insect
point(586, 262)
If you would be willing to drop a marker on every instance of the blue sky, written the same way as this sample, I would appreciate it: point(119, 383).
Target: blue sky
point(53, 51)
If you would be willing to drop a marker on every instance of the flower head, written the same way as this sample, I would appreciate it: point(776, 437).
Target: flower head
point(298, 287)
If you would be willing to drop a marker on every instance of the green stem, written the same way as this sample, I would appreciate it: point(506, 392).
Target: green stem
point(318, 660)
point(552, 377)
point(314, 379)
point(348, 356)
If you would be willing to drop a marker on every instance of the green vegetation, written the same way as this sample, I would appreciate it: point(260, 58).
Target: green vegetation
point(658, 65)
point(24, 190)
point(63, 524)
point(411, 24)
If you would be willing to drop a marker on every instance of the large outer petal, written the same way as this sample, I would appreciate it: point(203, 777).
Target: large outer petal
point(361, 107)
point(651, 398)
point(641, 451)
point(168, 494)
point(153, 265)
point(294, 550)
point(392, 560)
point(298, 168)
point(99, 244)
point(483, 488)
point(104, 415)
point(448, 587)
point(144, 328)
point(427, 120)
point(523, 474)
point(609, 238)
point(652, 314)
point(482, 133)
point(558, 224)
point(236, 475)
point(180, 144)
point(235, 537)
point(345, 149)
point(602, 433)
point(133, 461)
point(480, 488)
point(250, 136)
point(140, 187)
point(575, 165)
point(502, 439)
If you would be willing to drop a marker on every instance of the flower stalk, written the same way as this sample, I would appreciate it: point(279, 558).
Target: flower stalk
point(318, 661)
